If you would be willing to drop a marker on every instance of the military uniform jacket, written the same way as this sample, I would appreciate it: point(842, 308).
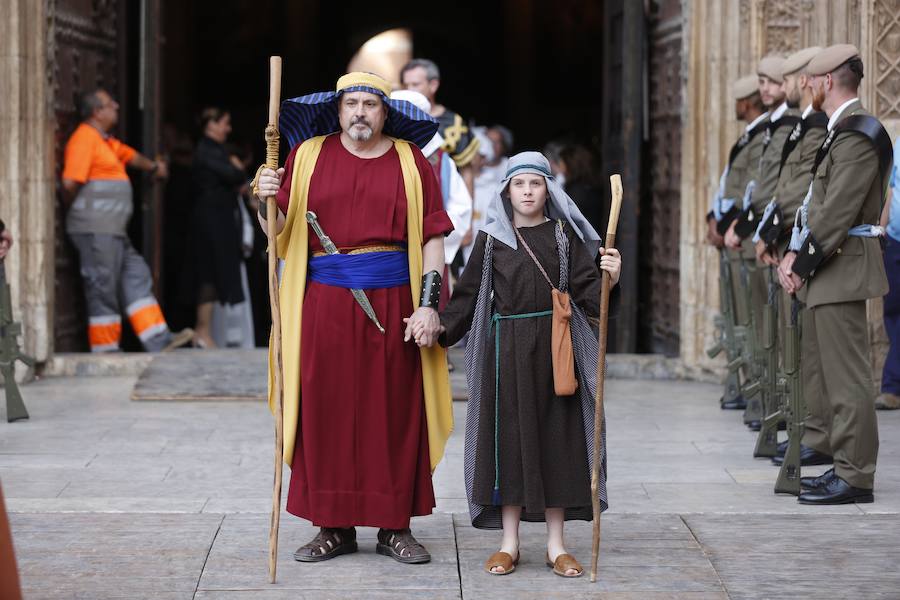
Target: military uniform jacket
point(847, 190)
point(770, 159)
point(744, 168)
point(796, 172)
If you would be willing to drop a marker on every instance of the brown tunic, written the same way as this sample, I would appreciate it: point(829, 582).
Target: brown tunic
point(543, 457)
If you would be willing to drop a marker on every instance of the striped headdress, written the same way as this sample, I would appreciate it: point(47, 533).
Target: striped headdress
point(317, 114)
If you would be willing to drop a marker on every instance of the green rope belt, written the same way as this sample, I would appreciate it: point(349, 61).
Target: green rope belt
point(495, 323)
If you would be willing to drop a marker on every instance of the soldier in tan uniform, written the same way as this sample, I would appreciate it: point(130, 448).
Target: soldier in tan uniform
point(727, 203)
point(758, 189)
point(834, 261)
point(797, 157)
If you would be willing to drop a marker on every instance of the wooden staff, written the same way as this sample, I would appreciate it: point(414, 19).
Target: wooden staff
point(616, 187)
point(272, 140)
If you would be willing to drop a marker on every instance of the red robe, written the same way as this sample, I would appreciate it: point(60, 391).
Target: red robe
point(361, 456)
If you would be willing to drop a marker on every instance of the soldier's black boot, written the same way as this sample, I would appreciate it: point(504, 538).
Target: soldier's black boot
point(808, 458)
point(837, 491)
point(737, 403)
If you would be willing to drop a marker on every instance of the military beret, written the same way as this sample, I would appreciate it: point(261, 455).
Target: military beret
point(771, 67)
point(745, 87)
point(831, 58)
point(796, 61)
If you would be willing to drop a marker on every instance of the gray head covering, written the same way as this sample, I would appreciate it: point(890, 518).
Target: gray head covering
point(559, 205)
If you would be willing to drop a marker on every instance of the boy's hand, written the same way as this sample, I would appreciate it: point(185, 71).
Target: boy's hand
point(424, 326)
point(611, 262)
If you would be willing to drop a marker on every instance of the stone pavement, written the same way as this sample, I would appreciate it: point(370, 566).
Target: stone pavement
point(111, 498)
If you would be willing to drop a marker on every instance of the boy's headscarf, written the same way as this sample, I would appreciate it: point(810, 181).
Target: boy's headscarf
point(559, 205)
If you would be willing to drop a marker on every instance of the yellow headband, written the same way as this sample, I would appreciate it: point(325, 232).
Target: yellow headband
point(367, 79)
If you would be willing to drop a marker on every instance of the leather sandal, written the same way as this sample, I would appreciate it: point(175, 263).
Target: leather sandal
point(328, 543)
point(563, 563)
point(400, 545)
point(503, 560)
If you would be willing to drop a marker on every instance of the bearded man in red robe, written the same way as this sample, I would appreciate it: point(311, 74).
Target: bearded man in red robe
point(366, 412)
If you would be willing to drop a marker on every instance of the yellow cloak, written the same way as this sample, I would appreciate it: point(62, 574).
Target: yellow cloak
point(293, 247)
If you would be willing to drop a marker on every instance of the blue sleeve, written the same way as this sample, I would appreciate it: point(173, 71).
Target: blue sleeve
point(895, 173)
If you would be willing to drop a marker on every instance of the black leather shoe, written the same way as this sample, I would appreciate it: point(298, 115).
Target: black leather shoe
point(814, 483)
point(737, 404)
point(836, 491)
point(808, 458)
point(781, 448)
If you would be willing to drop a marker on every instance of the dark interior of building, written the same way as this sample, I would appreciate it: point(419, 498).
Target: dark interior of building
point(546, 69)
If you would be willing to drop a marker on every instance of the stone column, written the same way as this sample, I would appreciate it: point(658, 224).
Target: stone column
point(27, 192)
point(712, 62)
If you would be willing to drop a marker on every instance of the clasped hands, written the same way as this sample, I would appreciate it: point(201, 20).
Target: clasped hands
point(423, 326)
point(789, 280)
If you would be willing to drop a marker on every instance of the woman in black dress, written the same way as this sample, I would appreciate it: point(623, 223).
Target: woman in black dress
point(218, 178)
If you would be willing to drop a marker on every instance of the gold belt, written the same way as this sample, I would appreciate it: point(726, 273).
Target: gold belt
point(365, 250)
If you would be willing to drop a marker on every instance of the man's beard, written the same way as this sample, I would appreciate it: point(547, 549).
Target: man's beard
point(360, 136)
point(793, 98)
point(818, 98)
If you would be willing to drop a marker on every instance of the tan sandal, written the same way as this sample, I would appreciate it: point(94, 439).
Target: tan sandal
point(563, 563)
point(503, 560)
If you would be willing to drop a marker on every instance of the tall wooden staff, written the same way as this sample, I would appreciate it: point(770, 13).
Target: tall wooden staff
point(272, 140)
point(616, 186)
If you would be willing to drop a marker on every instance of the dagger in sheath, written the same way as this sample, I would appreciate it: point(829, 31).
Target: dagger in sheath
point(330, 248)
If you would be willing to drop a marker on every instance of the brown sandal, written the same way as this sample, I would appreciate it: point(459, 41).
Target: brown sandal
point(563, 563)
point(502, 560)
point(400, 545)
point(328, 543)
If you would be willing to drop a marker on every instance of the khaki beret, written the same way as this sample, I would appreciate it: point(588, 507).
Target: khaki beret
point(745, 87)
point(831, 58)
point(771, 67)
point(796, 61)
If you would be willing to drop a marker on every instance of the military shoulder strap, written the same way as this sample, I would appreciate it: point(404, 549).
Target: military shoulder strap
point(872, 129)
point(744, 140)
point(773, 126)
point(816, 120)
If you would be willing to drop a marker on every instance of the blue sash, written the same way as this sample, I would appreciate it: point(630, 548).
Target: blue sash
point(366, 271)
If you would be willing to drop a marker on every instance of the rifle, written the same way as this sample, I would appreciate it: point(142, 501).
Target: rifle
point(767, 441)
point(788, 481)
point(750, 350)
point(10, 352)
point(725, 323)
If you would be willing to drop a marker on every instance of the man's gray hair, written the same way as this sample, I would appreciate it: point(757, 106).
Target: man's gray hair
point(88, 102)
point(431, 69)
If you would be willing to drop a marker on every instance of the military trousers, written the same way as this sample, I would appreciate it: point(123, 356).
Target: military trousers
point(839, 389)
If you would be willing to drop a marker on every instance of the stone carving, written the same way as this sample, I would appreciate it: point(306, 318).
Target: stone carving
point(783, 29)
point(887, 59)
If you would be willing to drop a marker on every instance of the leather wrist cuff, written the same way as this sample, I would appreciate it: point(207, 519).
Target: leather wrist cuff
point(746, 223)
point(723, 225)
point(431, 290)
point(809, 257)
point(770, 230)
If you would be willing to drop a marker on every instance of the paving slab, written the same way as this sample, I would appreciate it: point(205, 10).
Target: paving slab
point(238, 562)
point(640, 554)
point(802, 556)
point(111, 498)
point(112, 556)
